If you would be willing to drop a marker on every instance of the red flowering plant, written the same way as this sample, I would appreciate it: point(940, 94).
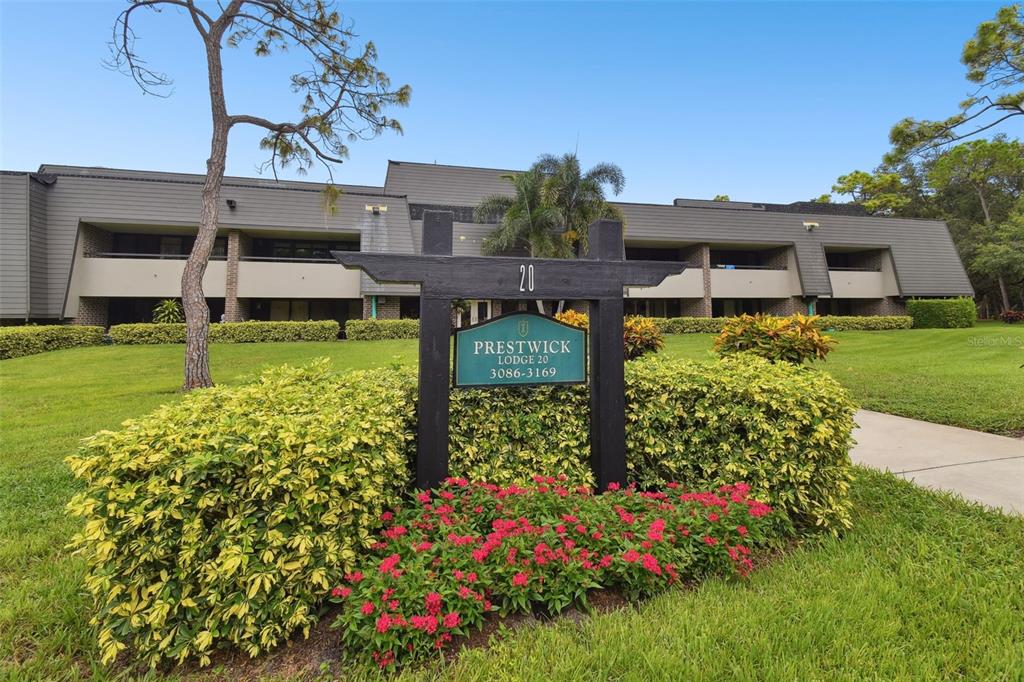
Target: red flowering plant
point(455, 554)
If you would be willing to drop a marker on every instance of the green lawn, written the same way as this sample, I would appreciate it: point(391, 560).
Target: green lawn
point(923, 586)
point(963, 377)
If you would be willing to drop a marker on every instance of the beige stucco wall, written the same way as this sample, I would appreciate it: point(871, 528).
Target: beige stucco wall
point(852, 284)
point(752, 284)
point(689, 284)
point(267, 279)
point(136, 277)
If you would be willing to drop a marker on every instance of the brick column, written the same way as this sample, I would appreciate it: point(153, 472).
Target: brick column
point(92, 310)
point(238, 246)
point(784, 307)
point(388, 307)
point(705, 266)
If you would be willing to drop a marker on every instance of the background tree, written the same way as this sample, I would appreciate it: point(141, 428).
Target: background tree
point(552, 208)
point(979, 182)
point(721, 197)
point(880, 193)
point(994, 58)
point(1002, 256)
point(578, 196)
point(343, 98)
point(526, 220)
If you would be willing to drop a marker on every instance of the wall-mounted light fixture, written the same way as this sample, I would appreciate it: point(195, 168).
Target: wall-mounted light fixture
point(232, 204)
point(376, 209)
point(810, 226)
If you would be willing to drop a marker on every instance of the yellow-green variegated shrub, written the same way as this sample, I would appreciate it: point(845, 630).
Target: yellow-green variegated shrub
point(508, 435)
point(224, 518)
point(784, 429)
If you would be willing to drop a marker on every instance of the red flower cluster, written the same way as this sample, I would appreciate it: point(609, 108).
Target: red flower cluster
point(466, 549)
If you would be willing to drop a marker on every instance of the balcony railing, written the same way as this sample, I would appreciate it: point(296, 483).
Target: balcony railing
point(833, 268)
point(727, 266)
point(147, 256)
point(275, 259)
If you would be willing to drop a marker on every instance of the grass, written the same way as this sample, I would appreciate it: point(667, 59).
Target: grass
point(924, 586)
point(962, 377)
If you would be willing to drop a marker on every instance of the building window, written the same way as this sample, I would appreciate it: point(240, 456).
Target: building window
point(305, 249)
point(654, 253)
point(409, 307)
point(731, 307)
point(167, 245)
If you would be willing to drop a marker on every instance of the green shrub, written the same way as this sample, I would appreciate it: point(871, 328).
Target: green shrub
point(782, 428)
point(148, 333)
point(793, 339)
point(228, 332)
point(31, 339)
point(867, 323)
point(785, 430)
point(376, 330)
point(168, 310)
point(640, 335)
point(690, 325)
point(942, 312)
point(505, 435)
point(222, 518)
point(267, 332)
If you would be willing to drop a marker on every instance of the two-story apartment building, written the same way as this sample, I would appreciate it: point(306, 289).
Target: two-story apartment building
point(102, 246)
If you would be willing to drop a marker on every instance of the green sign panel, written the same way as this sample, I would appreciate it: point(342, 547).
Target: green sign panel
point(520, 349)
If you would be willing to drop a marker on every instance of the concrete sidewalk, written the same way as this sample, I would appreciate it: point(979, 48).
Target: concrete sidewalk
point(980, 466)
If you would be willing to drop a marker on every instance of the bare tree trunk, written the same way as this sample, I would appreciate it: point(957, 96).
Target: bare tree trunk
point(197, 314)
point(1004, 293)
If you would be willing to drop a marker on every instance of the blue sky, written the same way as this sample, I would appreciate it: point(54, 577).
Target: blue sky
point(762, 101)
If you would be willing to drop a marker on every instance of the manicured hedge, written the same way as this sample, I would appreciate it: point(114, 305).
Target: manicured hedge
point(376, 330)
point(714, 325)
point(783, 429)
point(228, 332)
point(222, 518)
point(942, 312)
point(31, 339)
point(690, 325)
point(866, 323)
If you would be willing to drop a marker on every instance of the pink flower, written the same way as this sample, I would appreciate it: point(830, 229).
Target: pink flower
point(354, 577)
point(387, 516)
point(651, 564)
point(433, 601)
point(427, 624)
point(367, 608)
point(520, 579)
point(742, 530)
point(631, 556)
point(388, 564)
point(424, 497)
point(712, 517)
point(341, 592)
point(451, 620)
point(383, 623)
point(423, 546)
point(710, 541)
point(614, 486)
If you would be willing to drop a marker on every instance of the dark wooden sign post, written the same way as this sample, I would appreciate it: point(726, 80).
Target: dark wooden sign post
point(599, 277)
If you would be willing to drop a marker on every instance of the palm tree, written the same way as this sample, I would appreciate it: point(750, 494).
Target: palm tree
point(579, 196)
point(527, 219)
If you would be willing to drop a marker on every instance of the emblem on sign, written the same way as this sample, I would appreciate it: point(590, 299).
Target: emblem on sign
point(520, 349)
